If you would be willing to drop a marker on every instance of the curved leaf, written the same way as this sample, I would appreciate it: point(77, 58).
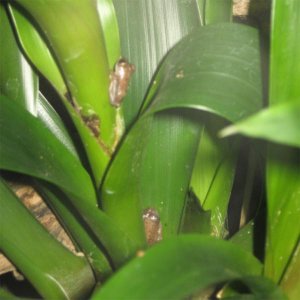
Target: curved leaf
point(74, 33)
point(43, 260)
point(278, 124)
point(17, 79)
point(217, 68)
point(27, 146)
point(36, 50)
point(197, 262)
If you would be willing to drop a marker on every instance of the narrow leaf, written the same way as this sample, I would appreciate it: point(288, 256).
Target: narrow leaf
point(110, 28)
point(36, 49)
point(279, 124)
point(76, 229)
point(17, 79)
point(43, 260)
point(283, 165)
point(50, 118)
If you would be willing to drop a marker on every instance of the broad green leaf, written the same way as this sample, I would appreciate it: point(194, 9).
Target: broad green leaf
point(148, 30)
point(279, 124)
point(27, 146)
point(17, 79)
point(36, 49)
point(155, 161)
point(197, 262)
point(47, 264)
point(74, 33)
point(217, 11)
point(283, 165)
point(218, 68)
point(157, 156)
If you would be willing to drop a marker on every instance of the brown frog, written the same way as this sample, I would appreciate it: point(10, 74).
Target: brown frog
point(152, 224)
point(119, 81)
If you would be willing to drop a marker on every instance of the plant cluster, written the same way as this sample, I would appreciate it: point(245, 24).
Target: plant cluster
point(165, 138)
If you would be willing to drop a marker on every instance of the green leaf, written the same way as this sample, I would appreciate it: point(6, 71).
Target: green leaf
point(50, 118)
point(217, 11)
point(6, 295)
point(245, 237)
point(76, 229)
point(47, 264)
point(148, 30)
point(283, 165)
point(211, 68)
point(17, 79)
point(283, 191)
point(197, 262)
point(284, 61)
point(213, 175)
point(110, 28)
point(171, 139)
point(279, 124)
point(46, 160)
point(36, 49)
point(195, 219)
point(290, 281)
point(74, 33)
point(29, 147)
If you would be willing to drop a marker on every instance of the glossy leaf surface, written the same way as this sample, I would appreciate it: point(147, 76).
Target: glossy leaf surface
point(17, 79)
point(283, 166)
point(44, 261)
point(37, 50)
point(279, 124)
point(217, 73)
point(27, 146)
point(196, 263)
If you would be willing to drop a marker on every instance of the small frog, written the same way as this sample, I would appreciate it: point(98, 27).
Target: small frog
point(119, 80)
point(152, 224)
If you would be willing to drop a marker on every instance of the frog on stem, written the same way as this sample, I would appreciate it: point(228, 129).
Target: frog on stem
point(119, 81)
